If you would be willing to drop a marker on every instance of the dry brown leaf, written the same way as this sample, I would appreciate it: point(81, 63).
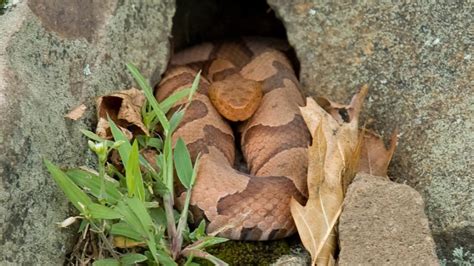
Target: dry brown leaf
point(331, 157)
point(77, 112)
point(124, 108)
point(375, 157)
point(124, 242)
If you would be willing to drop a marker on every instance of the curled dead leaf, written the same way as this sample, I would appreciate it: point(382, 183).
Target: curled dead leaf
point(375, 157)
point(124, 108)
point(77, 112)
point(332, 159)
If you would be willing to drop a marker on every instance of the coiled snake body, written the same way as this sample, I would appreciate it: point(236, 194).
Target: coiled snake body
point(274, 140)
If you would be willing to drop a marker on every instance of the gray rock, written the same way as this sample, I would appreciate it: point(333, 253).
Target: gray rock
point(298, 256)
point(55, 55)
point(383, 223)
point(417, 59)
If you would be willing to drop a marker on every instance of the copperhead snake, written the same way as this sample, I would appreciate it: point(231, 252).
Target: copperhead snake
point(255, 79)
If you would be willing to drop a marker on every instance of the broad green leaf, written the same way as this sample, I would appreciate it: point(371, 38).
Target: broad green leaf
point(124, 229)
point(133, 174)
point(77, 197)
point(106, 262)
point(132, 259)
point(91, 183)
point(98, 211)
point(140, 211)
point(156, 143)
point(158, 215)
point(146, 141)
point(131, 219)
point(149, 96)
point(182, 163)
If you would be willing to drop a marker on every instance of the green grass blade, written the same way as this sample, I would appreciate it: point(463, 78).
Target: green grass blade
point(182, 163)
point(77, 197)
point(195, 85)
point(149, 96)
point(133, 174)
point(175, 120)
point(209, 241)
point(92, 135)
point(195, 169)
point(171, 100)
point(98, 211)
point(124, 149)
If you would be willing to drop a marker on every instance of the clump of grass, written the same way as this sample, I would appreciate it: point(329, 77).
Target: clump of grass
point(132, 212)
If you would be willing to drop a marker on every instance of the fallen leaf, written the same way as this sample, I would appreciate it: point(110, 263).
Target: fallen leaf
point(67, 222)
point(332, 157)
point(124, 242)
point(124, 108)
point(375, 157)
point(77, 112)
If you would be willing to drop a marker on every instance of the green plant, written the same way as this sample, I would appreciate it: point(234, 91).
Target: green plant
point(462, 258)
point(137, 207)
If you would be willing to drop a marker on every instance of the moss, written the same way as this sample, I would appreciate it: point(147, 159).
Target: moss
point(250, 253)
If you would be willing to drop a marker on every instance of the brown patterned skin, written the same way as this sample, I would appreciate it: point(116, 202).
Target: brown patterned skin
point(238, 205)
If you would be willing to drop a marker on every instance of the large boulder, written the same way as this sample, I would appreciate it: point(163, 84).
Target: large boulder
point(55, 55)
point(417, 60)
point(383, 223)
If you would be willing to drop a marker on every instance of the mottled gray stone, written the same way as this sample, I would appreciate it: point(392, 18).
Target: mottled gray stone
point(383, 223)
point(417, 60)
point(55, 55)
point(297, 256)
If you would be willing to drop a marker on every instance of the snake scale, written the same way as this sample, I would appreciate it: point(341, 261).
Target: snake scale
point(253, 204)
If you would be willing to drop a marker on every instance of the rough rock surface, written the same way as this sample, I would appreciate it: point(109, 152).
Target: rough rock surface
point(55, 55)
point(418, 61)
point(298, 256)
point(383, 223)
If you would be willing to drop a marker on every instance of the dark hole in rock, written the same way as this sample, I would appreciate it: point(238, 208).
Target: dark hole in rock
point(214, 20)
point(209, 20)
